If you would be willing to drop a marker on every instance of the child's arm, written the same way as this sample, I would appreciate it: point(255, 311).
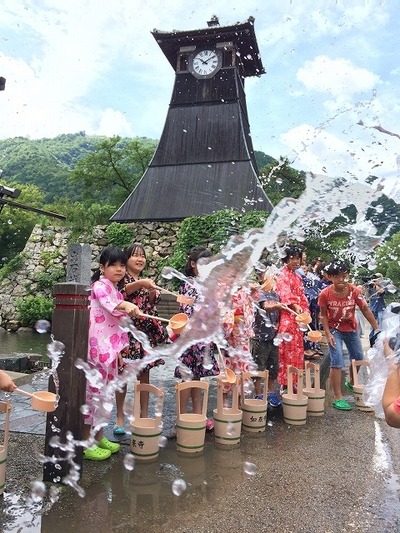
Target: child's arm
point(6, 383)
point(391, 398)
point(325, 325)
point(366, 311)
point(129, 308)
point(272, 305)
point(145, 283)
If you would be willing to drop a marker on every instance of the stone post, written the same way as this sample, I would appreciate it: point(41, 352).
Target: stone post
point(70, 326)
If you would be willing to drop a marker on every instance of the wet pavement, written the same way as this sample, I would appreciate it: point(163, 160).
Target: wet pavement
point(336, 473)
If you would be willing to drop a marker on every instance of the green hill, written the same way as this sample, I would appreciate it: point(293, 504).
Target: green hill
point(47, 163)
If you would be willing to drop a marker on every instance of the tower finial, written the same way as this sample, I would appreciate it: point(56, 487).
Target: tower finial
point(214, 21)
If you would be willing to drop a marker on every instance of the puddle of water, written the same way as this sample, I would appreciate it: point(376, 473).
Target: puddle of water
point(119, 499)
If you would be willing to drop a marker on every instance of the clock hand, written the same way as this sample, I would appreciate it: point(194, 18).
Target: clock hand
point(211, 57)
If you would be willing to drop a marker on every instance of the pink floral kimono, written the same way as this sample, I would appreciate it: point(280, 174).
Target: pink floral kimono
point(106, 338)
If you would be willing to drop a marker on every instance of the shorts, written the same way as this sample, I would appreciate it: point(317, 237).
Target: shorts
point(353, 344)
point(265, 355)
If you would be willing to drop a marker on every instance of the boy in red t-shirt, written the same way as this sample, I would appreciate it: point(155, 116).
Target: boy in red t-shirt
point(337, 304)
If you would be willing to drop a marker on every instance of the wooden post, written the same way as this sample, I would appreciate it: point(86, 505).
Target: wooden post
point(70, 326)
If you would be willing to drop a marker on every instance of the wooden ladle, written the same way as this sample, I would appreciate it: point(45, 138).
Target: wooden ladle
point(180, 298)
point(305, 318)
point(177, 322)
point(41, 400)
point(230, 374)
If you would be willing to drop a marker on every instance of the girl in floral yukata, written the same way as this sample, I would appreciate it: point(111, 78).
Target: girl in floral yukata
point(142, 292)
point(106, 340)
point(198, 361)
point(289, 287)
point(238, 329)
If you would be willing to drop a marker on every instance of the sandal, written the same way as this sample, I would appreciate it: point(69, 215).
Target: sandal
point(96, 454)
point(119, 430)
point(349, 386)
point(342, 405)
point(106, 444)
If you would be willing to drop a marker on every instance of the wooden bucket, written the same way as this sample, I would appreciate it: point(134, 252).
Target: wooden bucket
point(227, 420)
point(146, 432)
point(294, 404)
point(254, 410)
point(5, 407)
point(315, 395)
point(358, 388)
point(191, 427)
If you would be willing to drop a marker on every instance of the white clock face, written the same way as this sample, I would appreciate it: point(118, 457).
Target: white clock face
point(205, 63)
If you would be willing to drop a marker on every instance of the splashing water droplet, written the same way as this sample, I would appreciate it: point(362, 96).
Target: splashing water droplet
point(38, 491)
point(178, 487)
point(249, 468)
point(162, 442)
point(129, 461)
point(230, 429)
point(85, 409)
point(42, 326)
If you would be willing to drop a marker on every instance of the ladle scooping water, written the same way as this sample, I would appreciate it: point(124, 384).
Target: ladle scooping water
point(305, 318)
point(177, 322)
point(230, 374)
point(180, 298)
point(41, 400)
point(301, 318)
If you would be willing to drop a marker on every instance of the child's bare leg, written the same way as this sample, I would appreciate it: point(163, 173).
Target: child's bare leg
point(335, 375)
point(120, 400)
point(144, 377)
point(257, 386)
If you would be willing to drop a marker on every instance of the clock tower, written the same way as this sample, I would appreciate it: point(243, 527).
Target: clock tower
point(205, 159)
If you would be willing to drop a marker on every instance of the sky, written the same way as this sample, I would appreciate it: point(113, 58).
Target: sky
point(329, 101)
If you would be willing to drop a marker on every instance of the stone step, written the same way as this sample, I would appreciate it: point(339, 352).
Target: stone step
point(19, 378)
point(19, 362)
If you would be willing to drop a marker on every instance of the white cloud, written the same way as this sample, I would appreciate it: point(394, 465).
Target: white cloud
point(113, 122)
point(337, 77)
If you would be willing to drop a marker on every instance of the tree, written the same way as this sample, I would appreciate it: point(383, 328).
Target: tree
point(388, 258)
point(112, 171)
point(16, 225)
point(280, 180)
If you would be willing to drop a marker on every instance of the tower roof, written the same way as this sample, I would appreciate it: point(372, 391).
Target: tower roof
point(241, 33)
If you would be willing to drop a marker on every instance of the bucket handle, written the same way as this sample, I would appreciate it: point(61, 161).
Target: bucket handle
point(354, 365)
point(5, 407)
point(188, 385)
point(317, 383)
point(263, 374)
point(220, 395)
point(290, 371)
point(146, 387)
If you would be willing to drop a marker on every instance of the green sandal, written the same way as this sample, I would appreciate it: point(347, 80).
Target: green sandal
point(349, 386)
point(106, 444)
point(96, 454)
point(342, 405)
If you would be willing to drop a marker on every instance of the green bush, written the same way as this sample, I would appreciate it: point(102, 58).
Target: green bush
point(14, 265)
point(212, 231)
point(119, 235)
point(47, 279)
point(33, 308)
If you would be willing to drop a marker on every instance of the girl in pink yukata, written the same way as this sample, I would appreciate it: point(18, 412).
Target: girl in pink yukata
point(106, 339)
point(289, 287)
